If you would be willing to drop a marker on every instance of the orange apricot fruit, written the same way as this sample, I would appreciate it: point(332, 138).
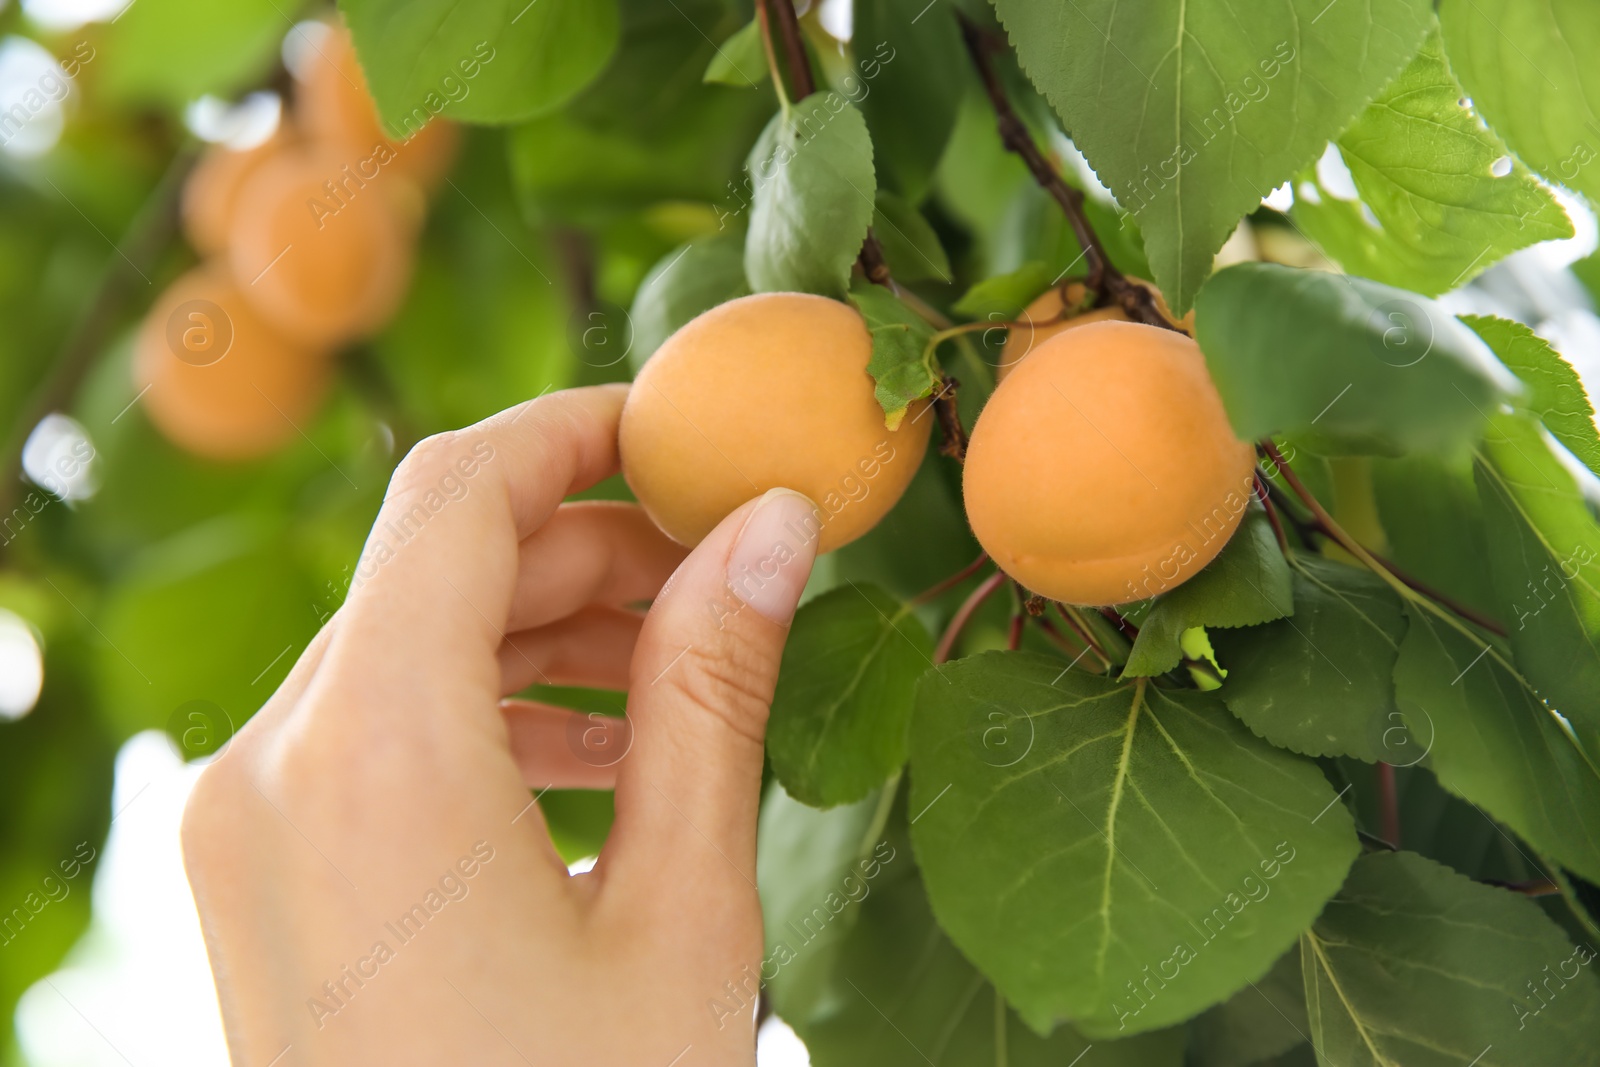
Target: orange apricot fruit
point(1104, 470)
point(1042, 320)
point(322, 252)
point(211, 194)
point(215, 378)
point(763, 392)
point(334, 107)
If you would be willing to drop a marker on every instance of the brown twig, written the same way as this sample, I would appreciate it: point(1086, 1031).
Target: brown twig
point(1107, 283)
point(949, 416)
point(794, 48)
point(963, 615)
point(1537, 887)
point(148, 236)
point(1264, 495)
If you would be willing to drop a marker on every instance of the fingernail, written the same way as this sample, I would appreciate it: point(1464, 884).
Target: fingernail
point(772, 555)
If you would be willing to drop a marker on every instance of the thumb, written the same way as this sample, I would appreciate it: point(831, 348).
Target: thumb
point(701, 684)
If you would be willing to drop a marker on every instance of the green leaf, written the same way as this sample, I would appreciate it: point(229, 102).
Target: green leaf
point(1555, 394)
point(1005, 295)
point(1491, 741)
point(1414, 964)
point(1247, 584)
point(895, 964)
point(1521, 66)
point(515, 60)
point(843, 702)
point(225, 47)
point(1432, 519)
point(1144, 857)
point(811, 171)
point(1195, 110)
point(1423, 164)
point(687, 282)
point(741, 60)
point(1359, 365)
point(910, 246)
point(216, 614)
point(1544, 555)
point(913, 71)
point(1263, 1020)
point(1320, 682)
point(812, 869)
point(899, 365)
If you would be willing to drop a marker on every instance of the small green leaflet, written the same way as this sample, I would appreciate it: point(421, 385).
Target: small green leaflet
point(843, 702)
point(1358, 365)
point(687, 282)
point(1247, 584)
point(1413, 963)
point(813, 188)
point(1544, 555)
point(1555, 395)
point(516, 60)
point(1082, 837)
point(1264, 1019)
point(1193, 110)
point(910, 245)
point(900, 365)
point(740, 60)
point(1530, 73)
point(1490, 740)
point(1319, 682)
point(1425, 167)
point(911, 73)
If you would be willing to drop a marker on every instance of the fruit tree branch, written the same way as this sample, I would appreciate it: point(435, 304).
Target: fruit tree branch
point(1103, 278)
point(794, 49)
point(147, 237)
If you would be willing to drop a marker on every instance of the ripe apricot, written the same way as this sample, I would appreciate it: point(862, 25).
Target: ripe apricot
point(221, 382)
point(333, 106)
point(321, 251)
point(1045, 311)
point(211, 194)
point(1043, 321)
point(763, 392)
point(1104, 470)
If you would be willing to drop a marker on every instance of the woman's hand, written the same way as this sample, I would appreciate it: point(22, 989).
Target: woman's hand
point(375, 883)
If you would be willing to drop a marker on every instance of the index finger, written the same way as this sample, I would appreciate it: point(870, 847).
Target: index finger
point(434, 585)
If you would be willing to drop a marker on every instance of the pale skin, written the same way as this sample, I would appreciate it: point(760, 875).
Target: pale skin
point(388, 766)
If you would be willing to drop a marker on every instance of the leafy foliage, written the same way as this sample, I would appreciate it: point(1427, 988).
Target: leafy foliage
point(1180, 846)
point(1386, 371)
point(843, 707)
point(1555, 394)
point(900, 366)
point(1319, 681)
point(1411, 963)
point(1426, 170)
point(1195, 110)
point(812, 199)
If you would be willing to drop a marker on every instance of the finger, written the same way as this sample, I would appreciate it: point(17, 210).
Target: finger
point(702, 681)
point(591, 552)
point(557, 748)
point(591, 649)
point(432, 593)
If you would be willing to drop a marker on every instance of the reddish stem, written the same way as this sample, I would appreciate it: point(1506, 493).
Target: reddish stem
point(963, 615)
point(1265, 496)
point(943, 586)
point(1014, 637)
point(1389, 802)
point(1128, 629)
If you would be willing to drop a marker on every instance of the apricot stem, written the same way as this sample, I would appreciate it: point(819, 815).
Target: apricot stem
point(1389, 803)
point(1265, 496)
point(1059, 638)
point(1108, 283)
point(963, 615)
point(1080, 629)
point(944, 585)
point(1014, 635)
